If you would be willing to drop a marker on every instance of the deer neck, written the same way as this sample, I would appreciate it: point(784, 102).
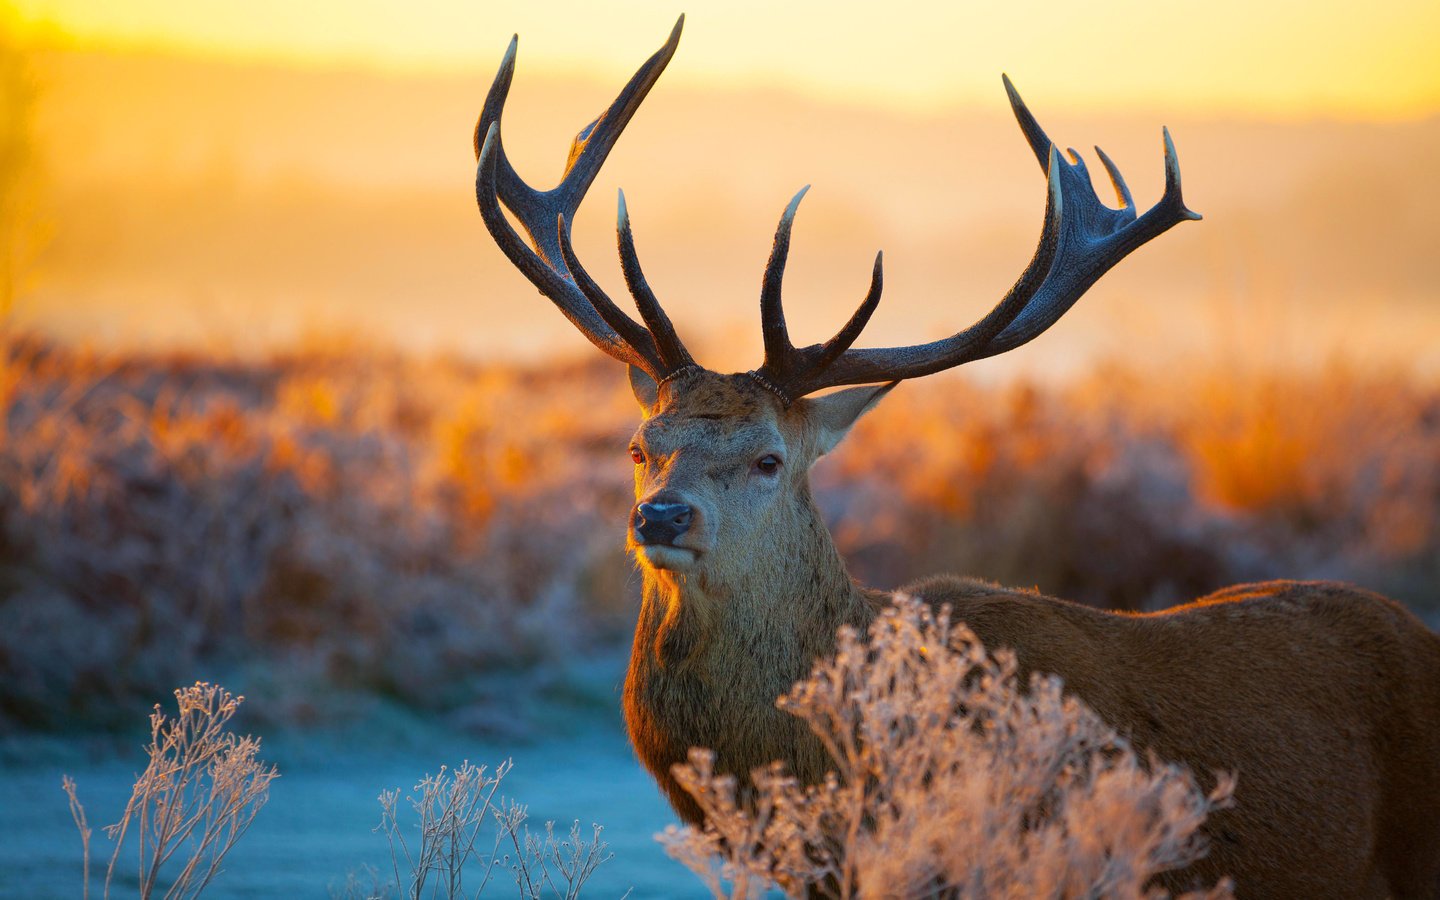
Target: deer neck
point(713, 653)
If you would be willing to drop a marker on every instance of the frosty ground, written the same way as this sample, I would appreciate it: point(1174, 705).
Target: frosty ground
point(318, 824)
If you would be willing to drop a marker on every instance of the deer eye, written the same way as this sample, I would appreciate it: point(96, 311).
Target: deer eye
point(768, 464)
point(637, 455)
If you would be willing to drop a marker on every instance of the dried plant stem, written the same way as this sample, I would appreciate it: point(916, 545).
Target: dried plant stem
point(201, 789)
point(77, 812)
point(453, 807)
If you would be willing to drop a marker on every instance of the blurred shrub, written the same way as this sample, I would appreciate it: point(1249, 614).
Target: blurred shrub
point(1137, 490)
point(345, 517)
point(159, 514)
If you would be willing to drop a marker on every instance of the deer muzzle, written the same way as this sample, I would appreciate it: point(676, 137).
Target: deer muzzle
point(657, 523)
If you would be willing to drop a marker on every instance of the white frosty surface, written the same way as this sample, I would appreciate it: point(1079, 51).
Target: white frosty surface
point(317, 825)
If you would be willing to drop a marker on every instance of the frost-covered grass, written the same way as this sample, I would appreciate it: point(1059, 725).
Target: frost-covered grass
point(455, 824)
point(341, 522)
point(951, 779)
point(317, 836)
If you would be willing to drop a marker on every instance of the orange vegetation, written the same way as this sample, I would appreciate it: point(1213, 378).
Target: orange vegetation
point(391, 524)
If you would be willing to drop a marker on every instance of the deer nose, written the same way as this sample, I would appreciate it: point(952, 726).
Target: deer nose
point(661, 523)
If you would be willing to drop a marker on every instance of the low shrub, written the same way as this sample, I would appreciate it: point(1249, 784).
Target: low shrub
point(949, 781)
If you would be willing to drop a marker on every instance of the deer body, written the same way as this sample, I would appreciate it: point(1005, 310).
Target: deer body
point(1323, 699)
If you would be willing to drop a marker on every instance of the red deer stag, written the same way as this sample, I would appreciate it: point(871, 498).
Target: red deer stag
point(1324, 699)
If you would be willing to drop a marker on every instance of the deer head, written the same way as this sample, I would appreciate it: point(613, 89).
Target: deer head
point(722, 459)
point(722, 468)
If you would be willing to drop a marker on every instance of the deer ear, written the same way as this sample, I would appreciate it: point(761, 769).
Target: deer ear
point(645, 389)
point(833, 414)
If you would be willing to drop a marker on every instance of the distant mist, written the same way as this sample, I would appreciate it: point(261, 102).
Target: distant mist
point(202, 202)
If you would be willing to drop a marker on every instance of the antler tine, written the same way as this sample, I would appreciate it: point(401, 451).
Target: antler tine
point(847, 335)
point(779, 352)
point(536, 210)
point(1081, 240)
point(672, 352)
point(786, 367)
point(594, 142)
point(1122, 190)
point(544, 215)
point(629, 330)
point(1035, 136)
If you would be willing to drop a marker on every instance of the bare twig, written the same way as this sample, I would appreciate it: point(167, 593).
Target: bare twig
point(201, 789)
point(77, 812)
point(452, 808)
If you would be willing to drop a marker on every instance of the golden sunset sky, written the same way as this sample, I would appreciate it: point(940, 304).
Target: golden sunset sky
point(264, 170)
point(1271, 58)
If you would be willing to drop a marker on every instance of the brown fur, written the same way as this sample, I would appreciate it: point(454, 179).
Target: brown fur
point(1322, 698)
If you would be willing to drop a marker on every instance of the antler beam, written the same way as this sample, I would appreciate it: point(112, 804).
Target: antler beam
point(1080, 241)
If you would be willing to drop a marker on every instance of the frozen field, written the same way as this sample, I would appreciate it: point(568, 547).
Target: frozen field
point(318, 823)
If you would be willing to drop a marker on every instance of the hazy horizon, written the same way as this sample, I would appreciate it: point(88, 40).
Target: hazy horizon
point(199, 201)
point(919, 55)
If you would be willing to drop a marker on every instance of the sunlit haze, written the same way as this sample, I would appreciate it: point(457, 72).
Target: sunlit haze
point(1275, 58)
point(260, 171)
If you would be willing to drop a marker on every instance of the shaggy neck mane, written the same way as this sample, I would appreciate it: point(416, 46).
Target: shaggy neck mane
point(713, 652)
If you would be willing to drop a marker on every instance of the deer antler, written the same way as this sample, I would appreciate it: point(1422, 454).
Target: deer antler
point(549, 261)
point(1081, 240)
